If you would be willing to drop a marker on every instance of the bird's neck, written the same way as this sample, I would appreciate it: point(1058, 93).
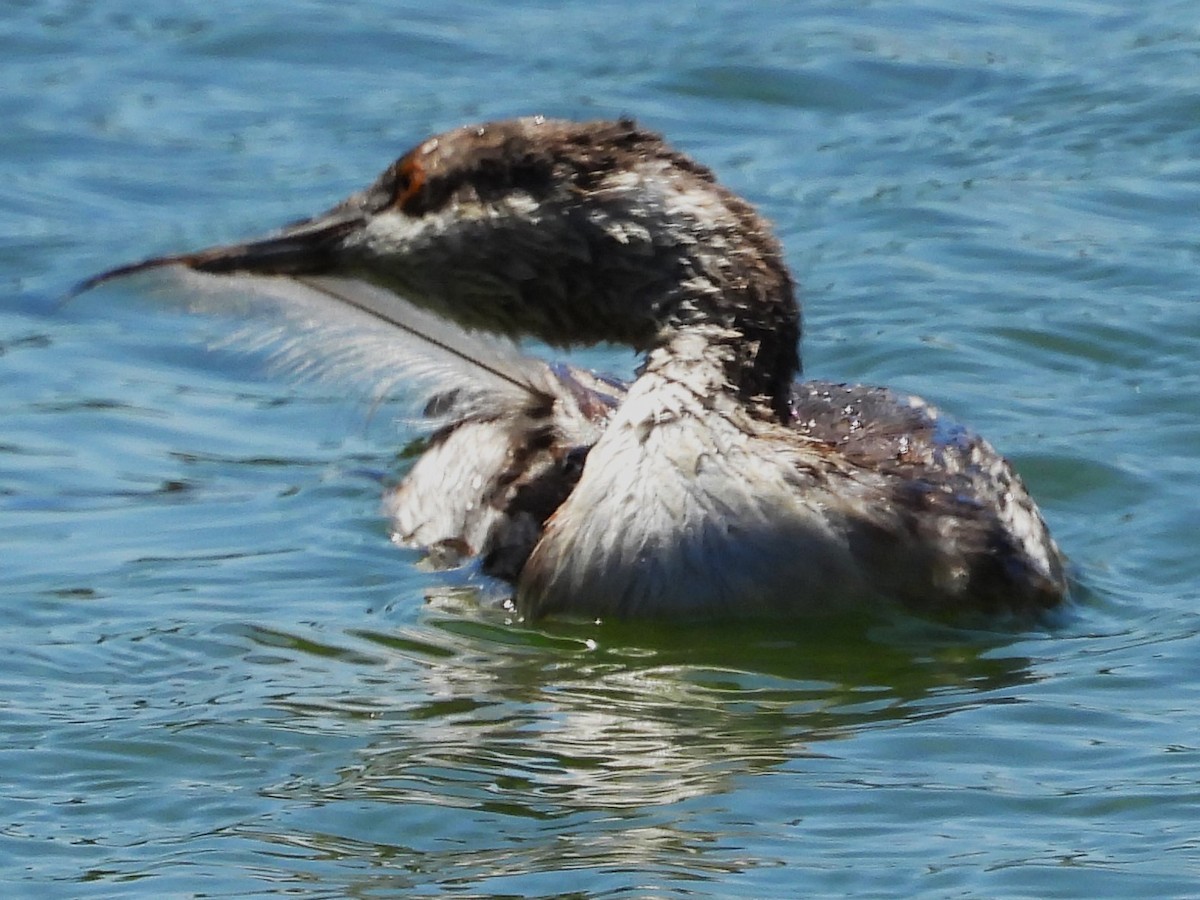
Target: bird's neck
point(727, 367)
point(741, 329)
point(725, 288)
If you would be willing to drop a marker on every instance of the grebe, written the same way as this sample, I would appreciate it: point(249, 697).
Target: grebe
point(714, 485)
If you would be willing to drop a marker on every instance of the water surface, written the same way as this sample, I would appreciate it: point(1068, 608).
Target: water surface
point(219, 678)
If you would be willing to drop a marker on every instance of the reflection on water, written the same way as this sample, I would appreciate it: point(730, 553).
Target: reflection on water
point(583, 731)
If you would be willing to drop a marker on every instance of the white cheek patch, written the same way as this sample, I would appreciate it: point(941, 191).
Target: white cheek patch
point(396, 233)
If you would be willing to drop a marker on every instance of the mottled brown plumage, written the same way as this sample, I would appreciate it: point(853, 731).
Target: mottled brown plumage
point(713, 485)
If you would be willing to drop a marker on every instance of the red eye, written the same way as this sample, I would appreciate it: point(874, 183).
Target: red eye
point(410, 178)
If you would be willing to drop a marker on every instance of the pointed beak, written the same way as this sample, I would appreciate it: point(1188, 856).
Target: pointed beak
point(309, 247)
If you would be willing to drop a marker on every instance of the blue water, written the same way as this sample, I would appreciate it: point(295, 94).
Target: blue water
point(218, 677)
